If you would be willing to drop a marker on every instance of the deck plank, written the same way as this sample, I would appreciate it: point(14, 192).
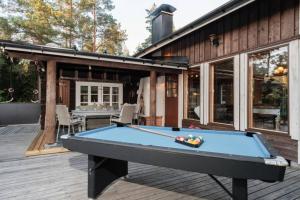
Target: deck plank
point(64, 176)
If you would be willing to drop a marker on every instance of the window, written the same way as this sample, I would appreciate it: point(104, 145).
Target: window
point(172, 89)
point(108, 95)
point(94, 94)
point(222, 92)
point(269, 90)
point(194, 93)
point(84, 95)
point(115, 97)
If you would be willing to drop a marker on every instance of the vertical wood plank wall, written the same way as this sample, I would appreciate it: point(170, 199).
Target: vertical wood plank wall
point(261, 23)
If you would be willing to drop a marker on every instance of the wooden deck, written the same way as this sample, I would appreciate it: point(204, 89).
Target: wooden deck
point(64, 176)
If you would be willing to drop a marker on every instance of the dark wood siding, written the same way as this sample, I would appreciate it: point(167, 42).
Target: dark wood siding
point(261, 23)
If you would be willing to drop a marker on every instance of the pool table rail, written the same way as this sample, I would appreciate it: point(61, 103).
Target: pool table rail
point(197, 161)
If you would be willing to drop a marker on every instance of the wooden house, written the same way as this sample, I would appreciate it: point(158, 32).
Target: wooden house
point(243, 69)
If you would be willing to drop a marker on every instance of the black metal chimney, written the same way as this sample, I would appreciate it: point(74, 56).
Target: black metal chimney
point(162, 22)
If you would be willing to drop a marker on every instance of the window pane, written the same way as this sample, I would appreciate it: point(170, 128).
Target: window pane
point(83, 89)
point(94, 98)
point(223, 92)
point(94, 89)
point(270, 89)
point(115, 90)
point(172, 86)
point(194, 93)
point(83, 98)
point(106, 90)
point(115, 98)
point(106, 98)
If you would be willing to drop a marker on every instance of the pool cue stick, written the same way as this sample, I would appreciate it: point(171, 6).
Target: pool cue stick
point(150, 131)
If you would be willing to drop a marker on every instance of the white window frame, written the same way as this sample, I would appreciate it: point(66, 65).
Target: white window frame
point(100, 86)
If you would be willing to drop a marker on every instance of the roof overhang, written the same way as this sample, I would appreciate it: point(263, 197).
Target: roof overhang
point(210, 17)
point(64, 55)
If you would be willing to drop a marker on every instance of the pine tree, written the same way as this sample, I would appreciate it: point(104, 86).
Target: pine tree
point(88, 24)
point(148, 40)
point(34, 21)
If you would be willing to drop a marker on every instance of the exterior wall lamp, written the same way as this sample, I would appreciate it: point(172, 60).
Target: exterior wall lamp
point(214, 40)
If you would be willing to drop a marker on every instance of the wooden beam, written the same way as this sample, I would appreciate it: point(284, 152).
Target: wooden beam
point(50, 121)
point(99, 63)
point(153, 80)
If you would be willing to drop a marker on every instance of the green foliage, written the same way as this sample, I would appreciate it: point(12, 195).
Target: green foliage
point(87, 24)
point(112, 40)
point(100, 32)
point(2, 94)
point(21, 75)
point(148, 40)
point(6, 29)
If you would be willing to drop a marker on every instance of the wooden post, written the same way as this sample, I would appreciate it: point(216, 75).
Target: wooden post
point(153, 80)
point(50, 122)
point(185, 94)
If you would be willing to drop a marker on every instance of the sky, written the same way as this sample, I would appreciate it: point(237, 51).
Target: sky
point(131, 14)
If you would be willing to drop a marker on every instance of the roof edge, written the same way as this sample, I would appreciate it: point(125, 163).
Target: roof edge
point(65, 52)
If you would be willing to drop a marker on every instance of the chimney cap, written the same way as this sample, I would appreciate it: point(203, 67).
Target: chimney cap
point(163, 8)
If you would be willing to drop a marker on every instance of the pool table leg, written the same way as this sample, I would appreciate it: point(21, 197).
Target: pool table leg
point(239, 189)
point(102, 172)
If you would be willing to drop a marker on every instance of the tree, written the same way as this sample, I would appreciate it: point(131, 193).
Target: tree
point(101, 33)
point(112, 40)
point(88, 24)
point(148, 40)
point(34, 21)
point(6, 29)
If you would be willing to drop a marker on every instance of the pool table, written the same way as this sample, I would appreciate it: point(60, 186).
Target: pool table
point(238, 155)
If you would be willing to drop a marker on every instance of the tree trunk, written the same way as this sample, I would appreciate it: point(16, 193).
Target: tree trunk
point(94, 35)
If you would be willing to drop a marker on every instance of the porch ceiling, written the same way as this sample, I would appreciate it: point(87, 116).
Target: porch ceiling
point(62, 55)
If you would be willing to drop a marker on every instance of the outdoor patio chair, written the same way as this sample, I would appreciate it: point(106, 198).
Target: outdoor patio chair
point(126, 115)
point(65, 119)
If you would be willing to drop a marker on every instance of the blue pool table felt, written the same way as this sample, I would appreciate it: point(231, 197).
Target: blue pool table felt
point(226, 142)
